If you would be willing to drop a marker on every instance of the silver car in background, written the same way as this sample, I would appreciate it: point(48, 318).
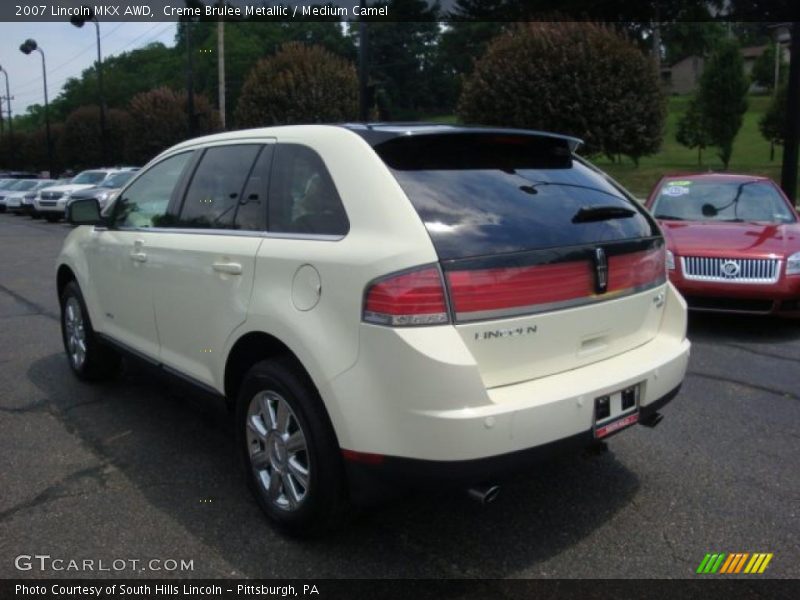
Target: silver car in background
point(15, 195)
point(107, 190)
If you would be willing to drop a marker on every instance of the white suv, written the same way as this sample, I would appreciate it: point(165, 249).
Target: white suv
point(381, 304)
point(51, 201)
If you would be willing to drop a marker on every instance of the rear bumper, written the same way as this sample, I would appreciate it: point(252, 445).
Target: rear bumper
point(372, 482)
point(417, 398)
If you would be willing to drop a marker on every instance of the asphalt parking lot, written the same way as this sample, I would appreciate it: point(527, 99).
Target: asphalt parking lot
point(131, 469)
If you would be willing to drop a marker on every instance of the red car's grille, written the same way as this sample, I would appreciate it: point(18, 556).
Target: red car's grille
point(734, 270)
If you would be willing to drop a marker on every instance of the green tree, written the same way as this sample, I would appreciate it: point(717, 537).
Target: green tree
point(692, 131)
point(300, 84)
point(403, 67)
point(80, 146)
point(576, 78)
point(159, 120)
point(722, 97)
point(682, 39)
point(763, 73)
point(773, 123)
point(124, 76)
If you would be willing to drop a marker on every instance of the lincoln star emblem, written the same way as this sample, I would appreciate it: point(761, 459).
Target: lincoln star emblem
point(601, 270)
point(730, 268)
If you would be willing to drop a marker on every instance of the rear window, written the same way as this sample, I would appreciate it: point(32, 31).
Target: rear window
point(485, 194)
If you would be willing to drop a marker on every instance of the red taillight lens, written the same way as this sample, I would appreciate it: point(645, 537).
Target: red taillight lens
point(414, 298)
point(488, 293)
point(514, 287)
point(636, 270)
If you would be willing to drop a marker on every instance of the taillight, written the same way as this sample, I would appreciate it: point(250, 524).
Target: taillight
point(497, 292)
point(410, 298)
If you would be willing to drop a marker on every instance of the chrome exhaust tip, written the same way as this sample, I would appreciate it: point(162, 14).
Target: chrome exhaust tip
point(484, 494)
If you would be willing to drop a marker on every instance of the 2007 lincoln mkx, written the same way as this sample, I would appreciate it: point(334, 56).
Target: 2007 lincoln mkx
point(340, 287)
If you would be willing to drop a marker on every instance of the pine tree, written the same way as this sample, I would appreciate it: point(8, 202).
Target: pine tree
point(722, 97)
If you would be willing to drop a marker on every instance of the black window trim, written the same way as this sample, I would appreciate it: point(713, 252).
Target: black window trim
point(178, 186)
point(178, 202)
point(298, 235)
point(181, 188)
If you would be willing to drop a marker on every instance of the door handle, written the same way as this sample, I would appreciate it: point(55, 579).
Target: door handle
point(139, 256)
point(230, 268)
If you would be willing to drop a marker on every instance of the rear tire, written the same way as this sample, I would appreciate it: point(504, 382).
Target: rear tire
point(88, 358)
point(289, 451)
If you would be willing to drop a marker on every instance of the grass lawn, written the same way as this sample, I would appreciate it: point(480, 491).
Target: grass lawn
point(750, 151)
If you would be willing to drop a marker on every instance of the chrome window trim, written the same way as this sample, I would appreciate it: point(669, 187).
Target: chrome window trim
point(229, 232)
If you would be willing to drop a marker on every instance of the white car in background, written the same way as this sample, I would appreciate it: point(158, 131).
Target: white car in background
point(15, 196)
point(51, 201)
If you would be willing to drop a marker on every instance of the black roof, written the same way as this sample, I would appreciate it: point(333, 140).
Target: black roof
point(377, 133)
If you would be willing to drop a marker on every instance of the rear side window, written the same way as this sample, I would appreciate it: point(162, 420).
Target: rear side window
point(484, 193)
point(144, 203)
point(303, 198)
point(217, 186)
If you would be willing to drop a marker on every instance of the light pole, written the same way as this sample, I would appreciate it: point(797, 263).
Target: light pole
point(8, 100)
point(27, 47)
point(792, 135)
point(78, 21)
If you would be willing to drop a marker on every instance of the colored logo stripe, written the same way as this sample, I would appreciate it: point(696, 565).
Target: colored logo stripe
point(721, 562)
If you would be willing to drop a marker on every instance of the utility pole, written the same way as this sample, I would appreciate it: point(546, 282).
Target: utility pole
point(792, 137)
point(190, 79)
point(363, 75)
point(221, 70)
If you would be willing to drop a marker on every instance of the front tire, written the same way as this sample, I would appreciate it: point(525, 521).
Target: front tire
point(288, 449)
point(52, 218)
point(88, 358)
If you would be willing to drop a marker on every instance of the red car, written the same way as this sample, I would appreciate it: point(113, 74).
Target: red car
point(733, 242)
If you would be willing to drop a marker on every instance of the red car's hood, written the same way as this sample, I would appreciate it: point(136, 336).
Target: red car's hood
point(690, 238)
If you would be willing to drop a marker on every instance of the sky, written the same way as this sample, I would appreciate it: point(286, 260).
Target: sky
point(68, 51)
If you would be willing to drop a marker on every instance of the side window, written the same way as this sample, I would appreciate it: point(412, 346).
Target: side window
point(144, 203)
point(302, 196)
point(252, 212)
point(215, 191)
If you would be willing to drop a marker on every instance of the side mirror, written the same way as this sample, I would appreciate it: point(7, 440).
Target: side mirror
point(84, 212)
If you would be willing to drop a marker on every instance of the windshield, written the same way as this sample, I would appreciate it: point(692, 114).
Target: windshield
point(92, 177)
point(118, 179)
point(24, 185)
point(481, 194)
point(44, 183)
point(699, 200)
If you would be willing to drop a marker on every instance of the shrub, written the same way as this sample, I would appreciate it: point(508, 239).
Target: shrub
point(692, 131)
point(159, 120)
point(80, 145)
point(33, 150)
point(299, 84)
point(575, 78)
